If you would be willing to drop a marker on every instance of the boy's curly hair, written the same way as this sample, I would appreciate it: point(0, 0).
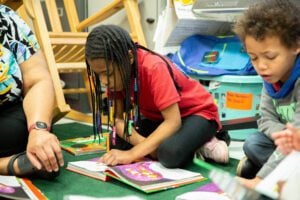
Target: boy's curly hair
point(279, 18)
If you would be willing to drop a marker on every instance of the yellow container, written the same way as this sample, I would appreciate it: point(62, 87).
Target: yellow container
point(186, 2)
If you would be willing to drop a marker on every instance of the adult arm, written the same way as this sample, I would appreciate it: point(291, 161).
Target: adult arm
point(43, 147)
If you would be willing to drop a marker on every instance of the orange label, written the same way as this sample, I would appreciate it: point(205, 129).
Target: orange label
point(239, 101)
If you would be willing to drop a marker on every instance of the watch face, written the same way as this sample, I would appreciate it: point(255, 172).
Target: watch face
point(41, 125)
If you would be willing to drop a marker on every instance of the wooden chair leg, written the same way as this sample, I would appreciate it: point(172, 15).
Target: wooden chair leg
point(134, 19)
point(132, 12)
point(104, 13)
point(87, 86)
point(79, 116)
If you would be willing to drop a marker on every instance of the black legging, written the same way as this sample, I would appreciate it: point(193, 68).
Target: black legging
point(13, 130)
point(179, 149)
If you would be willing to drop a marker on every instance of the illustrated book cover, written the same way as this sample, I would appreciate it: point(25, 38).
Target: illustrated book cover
point(85, 145)
point(148, 176)
point(12, 187)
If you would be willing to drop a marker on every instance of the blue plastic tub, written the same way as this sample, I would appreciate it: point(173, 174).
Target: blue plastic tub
point(236, 97)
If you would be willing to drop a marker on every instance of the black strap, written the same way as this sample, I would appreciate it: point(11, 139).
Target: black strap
point(10, 166)
point(27, 169)
point(24, 164)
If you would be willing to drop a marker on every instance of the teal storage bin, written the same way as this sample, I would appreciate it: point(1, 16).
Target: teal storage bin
point(236, 97)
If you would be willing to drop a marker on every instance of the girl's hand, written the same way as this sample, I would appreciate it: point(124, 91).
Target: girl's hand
point(115, 157)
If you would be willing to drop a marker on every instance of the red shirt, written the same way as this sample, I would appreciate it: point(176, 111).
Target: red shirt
point(277, 86)
point(157, 90)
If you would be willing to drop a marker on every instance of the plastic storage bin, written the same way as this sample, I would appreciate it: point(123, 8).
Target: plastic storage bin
point(236, 97)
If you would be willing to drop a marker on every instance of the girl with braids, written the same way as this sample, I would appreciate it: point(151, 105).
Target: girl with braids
point(270, 31)
point(153, 108)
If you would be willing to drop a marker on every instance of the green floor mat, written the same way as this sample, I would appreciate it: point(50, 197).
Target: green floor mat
point(72, 183)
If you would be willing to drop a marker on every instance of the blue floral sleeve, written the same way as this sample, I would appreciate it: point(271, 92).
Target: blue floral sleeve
point(22, 42)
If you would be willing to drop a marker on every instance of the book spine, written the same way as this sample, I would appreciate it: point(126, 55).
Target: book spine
point(32, 190)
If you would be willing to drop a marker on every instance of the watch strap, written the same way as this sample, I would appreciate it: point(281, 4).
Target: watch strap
point(34, 126)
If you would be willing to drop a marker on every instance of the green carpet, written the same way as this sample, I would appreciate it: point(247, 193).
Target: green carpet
point(72, 183)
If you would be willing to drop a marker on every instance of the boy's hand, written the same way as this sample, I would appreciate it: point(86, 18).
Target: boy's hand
point(288, 139)
point(284, 140)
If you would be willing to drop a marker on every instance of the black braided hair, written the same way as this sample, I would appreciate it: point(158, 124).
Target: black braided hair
point(112, 43)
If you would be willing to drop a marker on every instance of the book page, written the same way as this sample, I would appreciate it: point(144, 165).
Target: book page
point(172, 174)
point(201, 195)
point(91, 168)
point(9, 180)
point(150, 173)
point(90, 165)
point(286, 168)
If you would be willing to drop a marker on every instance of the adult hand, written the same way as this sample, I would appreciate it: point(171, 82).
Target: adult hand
point(115, 157)
point(43, 150)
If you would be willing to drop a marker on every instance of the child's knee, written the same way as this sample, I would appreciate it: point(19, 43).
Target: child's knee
point(249, 147)
point(251, 144)
point(170, 157)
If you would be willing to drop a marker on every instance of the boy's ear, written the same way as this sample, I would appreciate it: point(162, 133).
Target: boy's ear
point(131, 58)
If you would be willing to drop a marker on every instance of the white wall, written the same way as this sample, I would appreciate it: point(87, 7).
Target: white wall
point(148, 9)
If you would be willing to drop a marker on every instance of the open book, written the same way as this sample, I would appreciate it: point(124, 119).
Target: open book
point(229, 183)
point(12, 187)
point(148, 176)
point(85, 145)
point(266, 189)
point(89, 168)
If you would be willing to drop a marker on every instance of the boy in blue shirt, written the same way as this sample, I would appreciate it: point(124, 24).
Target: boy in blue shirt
point(270, 31)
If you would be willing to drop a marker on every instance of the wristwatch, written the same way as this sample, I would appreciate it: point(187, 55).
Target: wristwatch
point(38, 125)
